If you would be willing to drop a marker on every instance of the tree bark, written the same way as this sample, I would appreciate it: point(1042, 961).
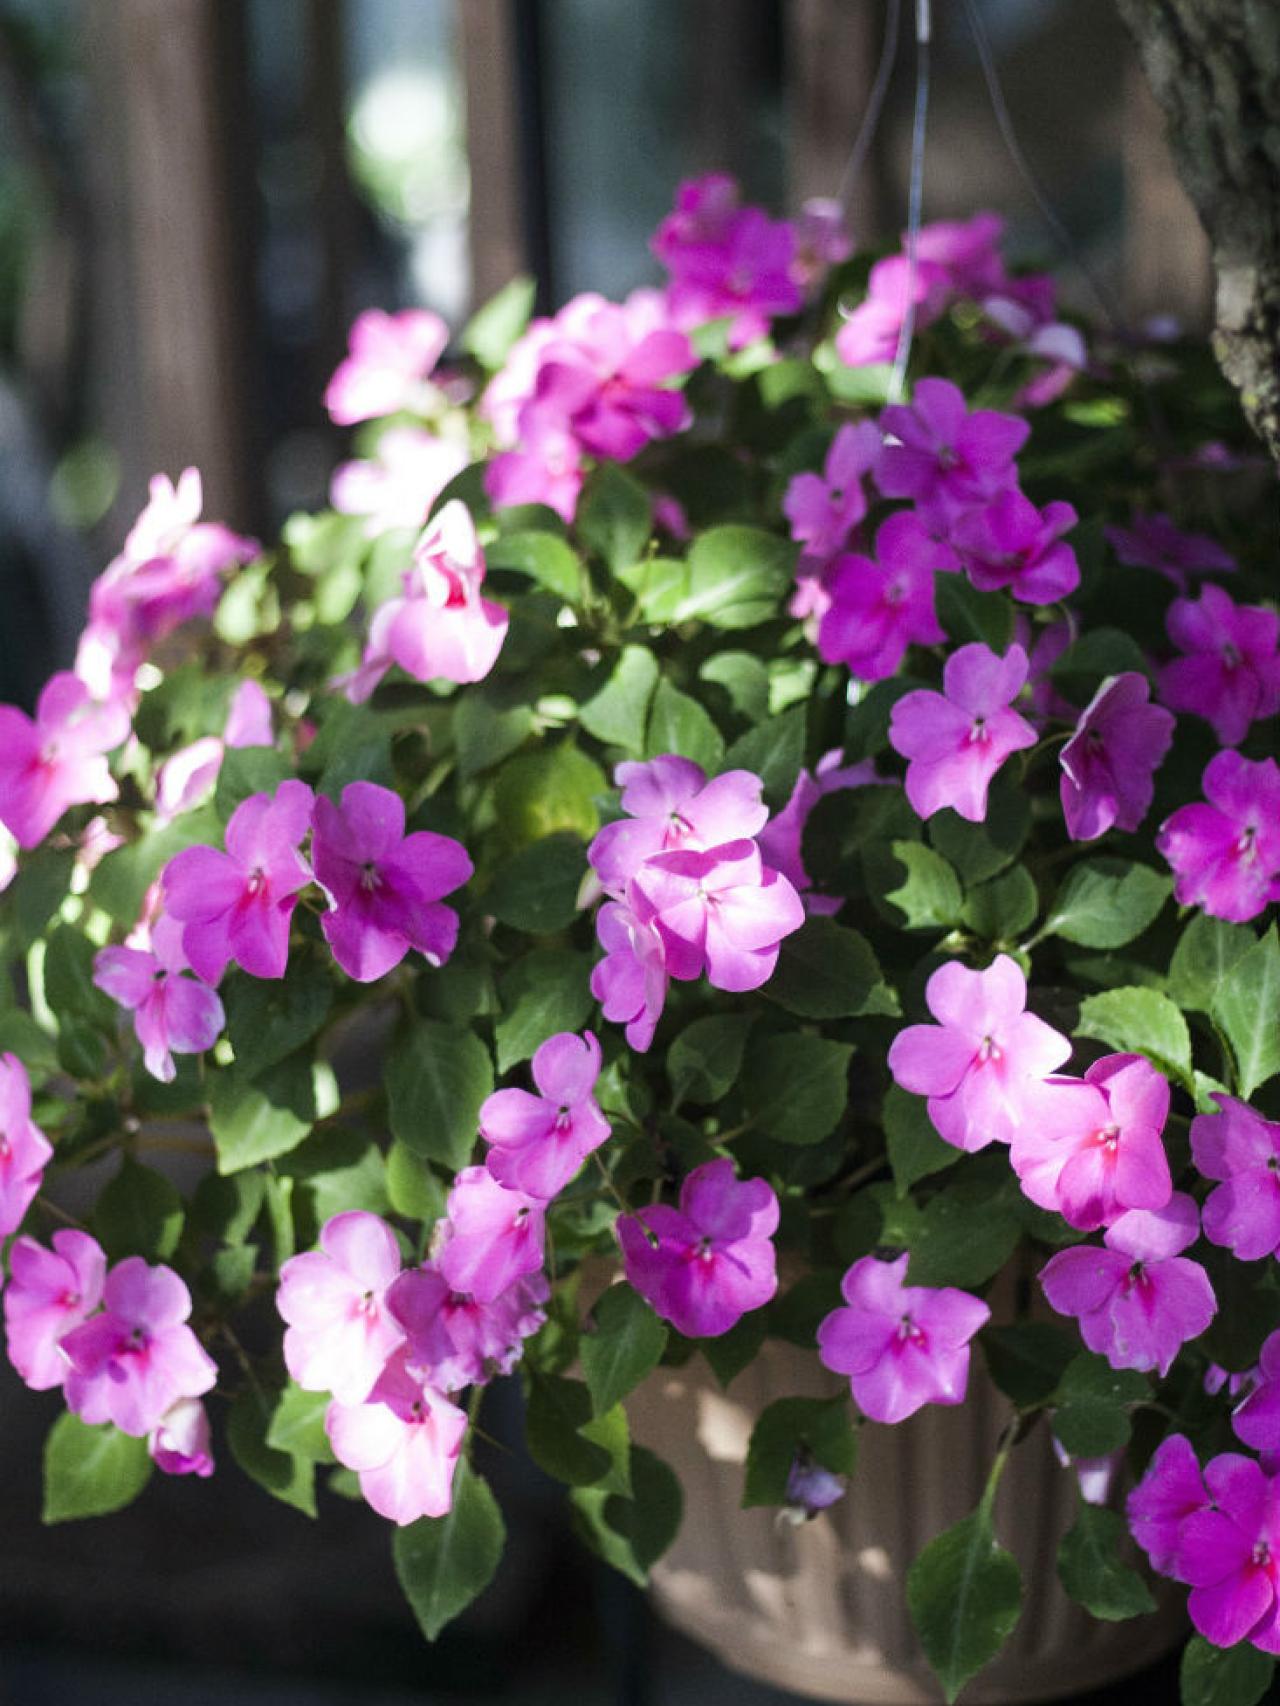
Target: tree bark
point(1214, 66)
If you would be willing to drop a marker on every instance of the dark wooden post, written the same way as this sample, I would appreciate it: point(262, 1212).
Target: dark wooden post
point(488, 63)
point(832, 49)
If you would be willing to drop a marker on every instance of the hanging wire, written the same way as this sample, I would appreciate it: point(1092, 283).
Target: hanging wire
point(875, 105)
point(924, 31)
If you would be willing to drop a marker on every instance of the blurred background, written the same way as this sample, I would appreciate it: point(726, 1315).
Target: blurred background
point(196, 197)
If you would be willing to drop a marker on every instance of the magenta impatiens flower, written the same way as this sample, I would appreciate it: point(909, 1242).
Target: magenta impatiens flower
point(134, 1361)
point(537, 1143)
point(453, 1340)
point(495, 1235)
point(1171, 1490)
point(1154, 542)
point(1241, 1149)
point(1139, 1300)
point(670, 804)
point(238, 905)
point(1109, 764)
point(1256, 1419)
point(58, 759)
point(902, 1346)
point(340, 1331)
point(389, 360)
point(384, 886)
point(403, 1443)
point(956, 740)
point(944, 452)
point(1010, 543)
point(870, 331)
point(876, 608)
point(1230, 675)
point(1226, 854)
point(1230, 1556)
point(824, 508)
point(631, 981)
point(49, 1293)
point(181, 1443)
point(978, 1064)
point(703, 1265)
point(172, 1014)
point(24, 1149)
point(1091, 1148)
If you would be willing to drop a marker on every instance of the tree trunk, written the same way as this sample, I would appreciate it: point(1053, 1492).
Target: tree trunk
point(1214, 66)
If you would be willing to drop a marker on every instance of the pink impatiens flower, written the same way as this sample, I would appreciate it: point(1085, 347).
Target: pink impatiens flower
point(132, 1363)
point(49, 1293)
point(537, 1143)
point(823, 508)
point(945, 452)
point(669, 805)
point(238, 905)
point(870, 331)
point(385, 886)
point(1231, 673)
point(1091, 1148)
point(1109, 764)
point(452, 1339)
point(187, 775)
point(172, 1014)
point(631, 981)
point(390, 357)
point(397, 487)
point(1230, 1556)
point(1226, 854)
point(902, 1346)
point(1154, 542)
point(340, 1331)
point(1010, 543)
point(875, 609)
point(978, 1064)
point(181, 1442)
point(956, 740)
point(1256, 1419)
point(403, 1443)
point(1241, 1149)
point(1171, 1490)
point(703, 1265)
point(495, 1235)
point(58, 760)
point(24, 1149)
point(1139, 1300)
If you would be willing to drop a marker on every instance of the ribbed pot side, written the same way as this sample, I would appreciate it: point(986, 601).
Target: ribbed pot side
point(821, 1609)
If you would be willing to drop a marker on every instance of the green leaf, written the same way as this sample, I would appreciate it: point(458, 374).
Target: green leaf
point(1207, 950)
point(268, 1018)
point(744, 678)
point(546, 992)
point(546, 558)
point(963, 1238)
point(1224, 1676)
point(624, 1348)
point(1247, 1007)
point(618, 713)
point(258, 1118)
point(1027, 1361)
point(1000, 910)
point(68, 978)
point(226, 1208)
point(1093, 657)
point(537, 890)
point(705, 1059)
point(731, 1352)
point(38, 890)
point(491, 720)
point(978, 851)
point(818, 1429)
point(965, 1595)
point(490, 332)
point(657, 584)
point(614, 516)
point(354, 745)
point(297, 1425)
point(437, 1076)
point(826, 971)
point(1090, 1569)
point(545, 792)
point(774, 751)
point(915, 1149)
point(796, 1086)
point(287, 1476)
point(632, 1533)
point(737, 577)
point(248, 770)
point(1139, 1021)
point(967, 614)
point(139, 1214)
point(556, 1412)
point(1093, 1404)
point(1105, 903)
point(443, 1562)
point(338, 1168)
point(91, 1471)
point(930, 897)
point(119, 884)
point(678, 724)
point(412, 1188)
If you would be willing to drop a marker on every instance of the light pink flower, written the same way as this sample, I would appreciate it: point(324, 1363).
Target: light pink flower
point(630, 983)
point(403, 1442)
point(956, 740)
point(57, 760)
point(980, 1062)
point(1231, 673)
point(537, 1143)
point(181, 1442)
point(824, 508)
point(185, 777)
point(875, 609)
point(49, 1293)
point(670, 805)
point(452, 1339)
point(390, 357)
point(1226, 854)
point(172, 1014)
point(494, 1236)
point(24, 1149)
point(1109, 764)
point(1241, 1149)
point(398, 485)
point(340, 1332)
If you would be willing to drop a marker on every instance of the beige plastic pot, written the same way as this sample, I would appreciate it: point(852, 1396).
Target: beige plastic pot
point(820, 1609)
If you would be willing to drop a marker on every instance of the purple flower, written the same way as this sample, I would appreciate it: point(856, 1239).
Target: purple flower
point(181, 1443)
point(824, 508)
point(238, 905)
point(630, 982)
point(385, 886)
point(1153, 542)
point(1139, 1300)
point(1256, 1419)
point(57, 760)
point(943, 450)
point(1171, 1490)
point(1242, 1150)
point(1091, 1148)
point(1230, 1556)
point(703, 1265)
point(333, 1300)
point(452, 1339)
point(871, 331)
point(978, 1064)
point(1109, 764)
point(669, 805)
point(902, 1346)
point(403, 1442)
point(876, 609)
point(49, 1293)
point(781, 841)
point(1010, 543)
point(1231, 674)
point(811, 1488)
point(132, 1363)
point(172, 1014)
point(494, 1236)
point(24, 1149)
point(956, 740)
point(537, 1143)
point(727, 261)
point(389, 360)
point(1226, 855)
